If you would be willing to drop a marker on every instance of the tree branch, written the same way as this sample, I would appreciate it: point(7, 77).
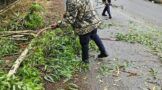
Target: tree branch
point(20, 59)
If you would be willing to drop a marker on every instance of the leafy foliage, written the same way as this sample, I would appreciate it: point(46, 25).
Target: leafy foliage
point(36, 8)
point(149, 36)
point(55, 56)
point(16, 23)
point(7, 46)
point(142, 39)
point(134, 38)
point(56, 53)
point(72, 86)
point(34, 20)
point(113, 66)
point(31, 20)
point(18, 83)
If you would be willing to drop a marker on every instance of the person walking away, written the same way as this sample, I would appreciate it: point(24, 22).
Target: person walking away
point(107, 8)
point(84, 20)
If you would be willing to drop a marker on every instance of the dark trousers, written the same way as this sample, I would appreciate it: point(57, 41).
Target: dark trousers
point(107, 8)
point(84, 41)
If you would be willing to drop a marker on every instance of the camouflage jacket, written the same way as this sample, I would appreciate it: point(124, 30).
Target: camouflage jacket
point(81, 15)
point(106, 1)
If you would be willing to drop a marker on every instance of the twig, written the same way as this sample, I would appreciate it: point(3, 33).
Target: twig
point(13, 33)
point(17, 32)
point(109, 39)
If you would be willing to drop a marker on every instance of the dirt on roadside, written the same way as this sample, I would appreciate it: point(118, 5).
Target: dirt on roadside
point(54, 9)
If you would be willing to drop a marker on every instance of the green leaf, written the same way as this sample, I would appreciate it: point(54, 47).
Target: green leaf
point(49, 78)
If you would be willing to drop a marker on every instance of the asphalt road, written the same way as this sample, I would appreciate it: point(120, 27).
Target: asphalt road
point(143, 9)
point(139, 58)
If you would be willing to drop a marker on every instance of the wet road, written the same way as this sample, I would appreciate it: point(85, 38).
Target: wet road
point(142, 9)
point(139, 58)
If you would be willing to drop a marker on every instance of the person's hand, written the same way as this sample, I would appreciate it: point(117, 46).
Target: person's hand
point(54, 25)
point(64, 15)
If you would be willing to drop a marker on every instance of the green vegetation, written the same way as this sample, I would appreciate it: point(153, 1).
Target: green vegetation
point(30, 20)
point(105, 70)
point(134, 38)
point(16, 83)
point(72, 86)
point(148, 36)
point(55, 56)
point(7, 46)
point(113, 67)
point(153, 72)
point(33, 19)
point(56, 52)
point(36, 8)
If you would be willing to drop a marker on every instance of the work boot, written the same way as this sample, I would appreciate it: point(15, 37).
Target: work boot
point(104, 15)
point(86, 61)
point(103, 55)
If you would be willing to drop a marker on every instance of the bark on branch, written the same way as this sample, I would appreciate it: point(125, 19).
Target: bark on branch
point(17, 32)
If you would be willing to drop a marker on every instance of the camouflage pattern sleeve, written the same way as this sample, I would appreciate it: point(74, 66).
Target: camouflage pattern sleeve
point(82, 15)
point(70, 14)
point(106, 1)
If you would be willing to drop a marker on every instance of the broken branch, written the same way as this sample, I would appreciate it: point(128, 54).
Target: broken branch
point(24, 54)
point(17, 32)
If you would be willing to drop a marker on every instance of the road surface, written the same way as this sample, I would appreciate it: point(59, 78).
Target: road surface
point(139, 58)
point(142, 9)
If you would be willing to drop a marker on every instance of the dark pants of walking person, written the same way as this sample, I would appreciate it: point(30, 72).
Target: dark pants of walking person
point(107, 8)
point(84, 41)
